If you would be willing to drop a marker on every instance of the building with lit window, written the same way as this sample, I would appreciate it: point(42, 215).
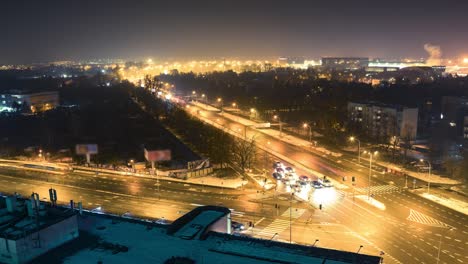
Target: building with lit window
point(344, 63)
point(18, 101)
point(379, 120)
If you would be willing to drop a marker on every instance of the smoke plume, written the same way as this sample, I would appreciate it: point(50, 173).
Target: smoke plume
point(435, 54)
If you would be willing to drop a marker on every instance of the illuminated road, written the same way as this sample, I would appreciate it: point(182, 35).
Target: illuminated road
point(140, 197)
point(408, 229)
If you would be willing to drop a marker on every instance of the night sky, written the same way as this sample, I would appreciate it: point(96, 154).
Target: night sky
point(39, 31)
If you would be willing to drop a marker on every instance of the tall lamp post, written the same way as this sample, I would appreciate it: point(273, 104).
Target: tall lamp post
point(371, 155)
point(352, 139)
point(253, 112)
point(429, 179)
point(305, 125)
point(290, 218)
point(440, 243)
point(276, 117)
point(194, 95)
point(220, 102)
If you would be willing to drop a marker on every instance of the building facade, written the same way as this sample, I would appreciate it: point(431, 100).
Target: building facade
point(383, 121)
point(16, 101)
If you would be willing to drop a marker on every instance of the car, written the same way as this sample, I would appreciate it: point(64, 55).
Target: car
point(280, 171)
point(303, 183)
point(326, 183)
point(289, 170)
point(277, 176)
point(236, 226)
point(304, 178)
point(316, 184)
point(295, 188)
point(278, 164)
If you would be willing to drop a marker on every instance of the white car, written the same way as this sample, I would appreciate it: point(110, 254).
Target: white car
point(326, 183)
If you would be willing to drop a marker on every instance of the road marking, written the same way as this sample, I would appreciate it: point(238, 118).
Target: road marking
point(276, 227)
point(421, 218)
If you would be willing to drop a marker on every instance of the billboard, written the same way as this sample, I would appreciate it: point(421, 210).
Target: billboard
point(83, 149)
point(157, 155)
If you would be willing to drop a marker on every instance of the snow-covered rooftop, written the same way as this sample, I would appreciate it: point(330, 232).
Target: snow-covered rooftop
point(120, 240)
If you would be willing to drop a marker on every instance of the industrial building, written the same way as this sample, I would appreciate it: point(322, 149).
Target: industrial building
point(379, 120)
point(18, 101)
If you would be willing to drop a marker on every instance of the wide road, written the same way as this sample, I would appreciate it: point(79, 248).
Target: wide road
point(140, 197)
point(410, 229)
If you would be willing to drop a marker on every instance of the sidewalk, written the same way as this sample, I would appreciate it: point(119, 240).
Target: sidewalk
point(446, 200)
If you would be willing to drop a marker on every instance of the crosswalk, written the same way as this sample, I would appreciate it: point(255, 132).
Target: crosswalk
point(421, 218)
point(379, 189)
point(281, 224)
point(276, 227)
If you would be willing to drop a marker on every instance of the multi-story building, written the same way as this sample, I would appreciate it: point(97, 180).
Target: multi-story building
point(382, 121)
point(14, 100)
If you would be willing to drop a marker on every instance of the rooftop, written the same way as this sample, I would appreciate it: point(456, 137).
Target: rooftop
point(18, 219)
point(113, 239)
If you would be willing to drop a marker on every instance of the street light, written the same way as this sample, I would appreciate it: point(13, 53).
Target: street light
point(305, 125)
point(371, 154)
point(428, 179)
point(253, 112)
point(352, 139)
point(276, 117)
point(220, 102)
point(290, 218)
point(440, 243)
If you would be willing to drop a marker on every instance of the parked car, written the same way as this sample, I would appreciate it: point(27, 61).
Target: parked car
point(236, 226)
point(316, 184)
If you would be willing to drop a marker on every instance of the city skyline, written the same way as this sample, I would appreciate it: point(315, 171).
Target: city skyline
point(35, 32)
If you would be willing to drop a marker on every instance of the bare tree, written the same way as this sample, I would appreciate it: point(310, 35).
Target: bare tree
point(152, 83)
point(407, 137)
point(244, 152)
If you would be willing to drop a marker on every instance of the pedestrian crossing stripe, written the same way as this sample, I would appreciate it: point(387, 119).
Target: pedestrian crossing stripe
point(421, 218)
point(379, 189)
point(276, 227)
point(295, 212)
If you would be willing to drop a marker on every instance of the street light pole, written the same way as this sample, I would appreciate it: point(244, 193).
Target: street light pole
point(310, 133)
point(359, 148)
point(290, 218)
point(440, 244)
point(428, 179)
point(370, 172)
point(280, 124)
